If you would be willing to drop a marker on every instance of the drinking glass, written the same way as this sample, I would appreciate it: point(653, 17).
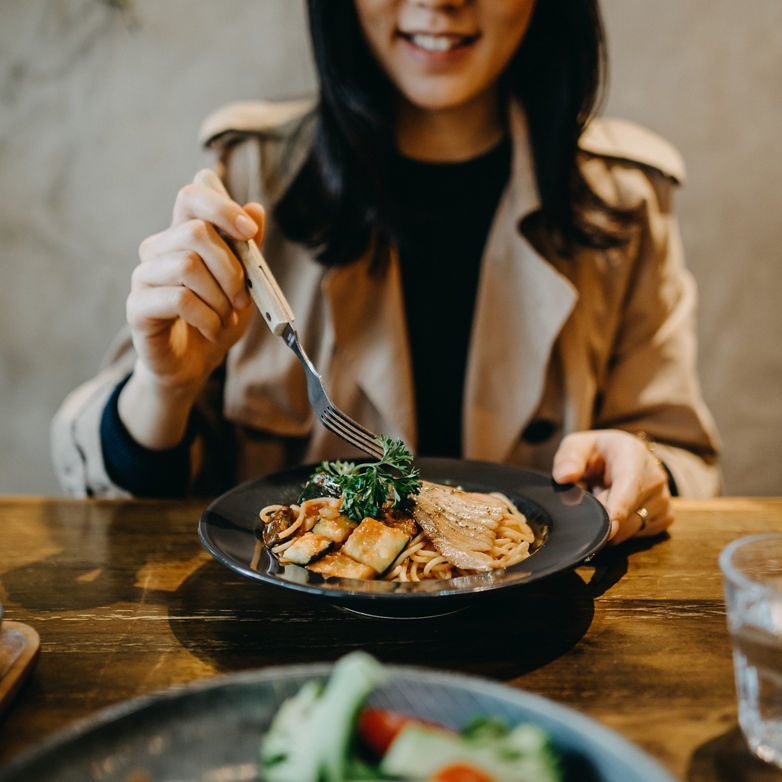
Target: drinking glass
point(752, 580)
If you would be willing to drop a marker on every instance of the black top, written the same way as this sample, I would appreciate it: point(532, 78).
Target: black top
point(446, 210)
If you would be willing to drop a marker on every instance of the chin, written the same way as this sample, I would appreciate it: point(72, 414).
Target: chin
point(437, 99)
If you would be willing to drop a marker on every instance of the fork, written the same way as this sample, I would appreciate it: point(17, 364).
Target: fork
point(278, 316)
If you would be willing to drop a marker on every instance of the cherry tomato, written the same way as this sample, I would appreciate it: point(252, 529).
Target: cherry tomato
point(377, 728)
point(460, 772)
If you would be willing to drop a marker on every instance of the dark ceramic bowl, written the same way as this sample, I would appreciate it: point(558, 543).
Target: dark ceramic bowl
point(569, 523)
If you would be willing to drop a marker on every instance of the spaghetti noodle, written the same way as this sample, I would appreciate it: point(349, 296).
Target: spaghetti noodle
point(421, 558)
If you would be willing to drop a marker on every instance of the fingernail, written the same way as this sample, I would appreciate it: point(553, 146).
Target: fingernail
point(245, 225)
point(242, 299)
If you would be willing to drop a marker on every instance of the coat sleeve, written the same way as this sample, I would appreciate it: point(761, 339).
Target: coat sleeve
point(77, 455)
point(651, 383)
point(77, 452)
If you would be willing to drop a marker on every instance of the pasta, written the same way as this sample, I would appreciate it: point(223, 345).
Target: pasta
point(419, 559)
point(307, 514)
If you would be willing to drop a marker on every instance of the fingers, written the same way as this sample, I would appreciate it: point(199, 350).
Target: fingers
point(575, 457)
point(623, 496)
point(151, 309)
point(660, 514)
point(641, 484)
point(194, 251)
point(177, 278)
point(637, 481)
point(189, 271)
point(623, 527)
point(258, 214)
point(624, 477)
point(658, 517)
point(202, 203)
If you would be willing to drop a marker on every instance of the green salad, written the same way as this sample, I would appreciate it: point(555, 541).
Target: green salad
point(325, 733)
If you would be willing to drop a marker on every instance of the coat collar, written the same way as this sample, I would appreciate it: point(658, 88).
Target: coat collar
point(522, 304)
point(370, 336)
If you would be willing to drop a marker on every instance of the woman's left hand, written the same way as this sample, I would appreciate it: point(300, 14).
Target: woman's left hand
point(623, 474)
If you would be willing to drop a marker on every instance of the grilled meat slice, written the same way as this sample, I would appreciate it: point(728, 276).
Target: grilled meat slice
point(461, 525)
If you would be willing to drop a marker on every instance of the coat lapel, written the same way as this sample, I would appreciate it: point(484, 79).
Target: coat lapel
point(522, 304)
point(370, 336)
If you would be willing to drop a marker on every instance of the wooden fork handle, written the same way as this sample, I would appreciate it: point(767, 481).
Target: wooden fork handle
point(263, 287)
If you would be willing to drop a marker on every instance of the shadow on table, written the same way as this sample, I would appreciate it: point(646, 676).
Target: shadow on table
point(610, 564)
point(247, 624)
point(726, 758)
point(235, 623)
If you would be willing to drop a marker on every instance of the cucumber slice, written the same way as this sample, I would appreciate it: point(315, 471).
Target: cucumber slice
point(373, 543)
point(335, 529)
point(524, 754)
point(306, 549)
point(341, 566)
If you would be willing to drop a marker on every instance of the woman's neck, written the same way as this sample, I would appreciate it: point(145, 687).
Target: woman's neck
point(449, 134)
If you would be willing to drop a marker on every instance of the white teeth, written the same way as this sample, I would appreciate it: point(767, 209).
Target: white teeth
point(436, 43)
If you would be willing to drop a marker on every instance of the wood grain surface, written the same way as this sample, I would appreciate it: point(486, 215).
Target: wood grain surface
point(126, 601)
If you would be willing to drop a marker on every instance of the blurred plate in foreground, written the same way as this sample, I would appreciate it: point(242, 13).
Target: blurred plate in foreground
point(210, 731)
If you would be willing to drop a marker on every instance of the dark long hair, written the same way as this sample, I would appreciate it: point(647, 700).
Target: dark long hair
point(338, 202)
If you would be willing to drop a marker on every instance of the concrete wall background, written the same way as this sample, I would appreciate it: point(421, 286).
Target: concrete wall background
point(99, 106)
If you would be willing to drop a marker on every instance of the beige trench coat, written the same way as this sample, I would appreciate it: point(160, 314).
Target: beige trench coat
point(605, 339)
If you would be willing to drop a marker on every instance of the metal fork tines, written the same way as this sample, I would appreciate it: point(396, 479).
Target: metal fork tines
point(330, 416)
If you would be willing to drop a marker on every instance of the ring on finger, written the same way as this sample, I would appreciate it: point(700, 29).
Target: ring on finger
point(643, 514)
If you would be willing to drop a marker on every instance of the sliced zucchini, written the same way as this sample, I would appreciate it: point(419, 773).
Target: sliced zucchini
point(306, 549)
point(341, 566)
point(335, 529)
point(374, 544)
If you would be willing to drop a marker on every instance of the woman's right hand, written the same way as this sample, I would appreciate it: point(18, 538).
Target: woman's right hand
point(187, 306)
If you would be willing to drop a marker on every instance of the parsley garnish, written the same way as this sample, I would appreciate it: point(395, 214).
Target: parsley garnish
point(367, 486)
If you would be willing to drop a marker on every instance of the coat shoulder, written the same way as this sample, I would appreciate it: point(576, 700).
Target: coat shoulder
point(258, 117)
point(259, 145)
point(624, 141)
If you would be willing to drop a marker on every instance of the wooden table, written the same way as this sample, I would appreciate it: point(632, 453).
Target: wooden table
point(126, 602)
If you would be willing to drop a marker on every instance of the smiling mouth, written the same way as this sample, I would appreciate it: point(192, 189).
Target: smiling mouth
point(438, 43)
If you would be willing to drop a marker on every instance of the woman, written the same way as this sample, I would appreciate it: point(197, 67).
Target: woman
point(474, 267)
